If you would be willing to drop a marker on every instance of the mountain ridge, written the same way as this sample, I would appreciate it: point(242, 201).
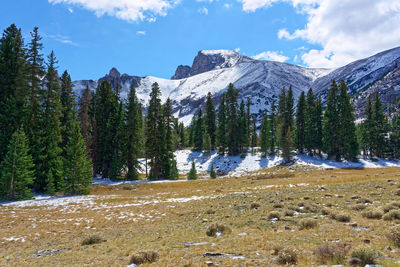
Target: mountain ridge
point(259, 80)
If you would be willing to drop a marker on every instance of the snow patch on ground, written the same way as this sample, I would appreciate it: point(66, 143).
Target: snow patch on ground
point(237, 165)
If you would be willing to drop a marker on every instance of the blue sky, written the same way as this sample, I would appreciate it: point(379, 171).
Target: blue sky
point(153, 37)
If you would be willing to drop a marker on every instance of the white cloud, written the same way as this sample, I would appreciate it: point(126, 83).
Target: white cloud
point(227, 6)
point(237, 50)
point(60, 38)
point(346, 30)
point(203, 10)
point(141, 33)
point(70, 10)
point(271, 55)
point(128, 10)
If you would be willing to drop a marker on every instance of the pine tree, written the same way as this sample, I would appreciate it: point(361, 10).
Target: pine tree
point(133, 135)
point(272, 127)
point(300, 123)
point(264, 135)
point(285, 116)
point(191, 132)
point(213, 175)
point(206, 144)
point(243, 128)
point(198, 132)
point(210, 120)
point(232, 121)
point(380, 128)
point(309, 123)
point(395, 137)
point(84, 116)
point(317, 127)
point(49, 170)
point(13, 85)
point(106, 113)
point(348, 145)
point(192, 175)
point(117, 140)
point(36, 70)
point(68, 108)
point(248, 123)
point(253, 134)
point(182, 136)
point(367, 127)
point(331, 123)
point(222, 128)
point(17, 169)
point(169, 163)
point(77, 165)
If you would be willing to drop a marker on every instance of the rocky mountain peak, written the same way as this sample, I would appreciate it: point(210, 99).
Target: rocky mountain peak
point(114, 73)
point(207, 60)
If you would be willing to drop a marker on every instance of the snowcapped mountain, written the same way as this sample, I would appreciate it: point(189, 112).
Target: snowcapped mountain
point(261, 81)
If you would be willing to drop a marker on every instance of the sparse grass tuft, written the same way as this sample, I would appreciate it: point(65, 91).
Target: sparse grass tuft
point(255, 206)
point(394, 236)
point(278, 206)
point(144, 257)
point(307, 224)
point(332, 254)
point(91, 240)
point(365, 255)
point(340, 217)
point(287, 256)
point(359, 207)
point(372, 213)
point(217, 229)
point(392, 215)
point(288, 213)
point(274, 215)
point(391, 206)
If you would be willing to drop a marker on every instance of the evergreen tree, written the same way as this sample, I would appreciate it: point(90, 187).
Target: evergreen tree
point(248, 123)
point(191, 132)
point(207, 144)
point(253, 134)
point(77, 164)
point(243, 128)
point(13, 85)
point(84, 116)
point(317, 128)
point(192, 175)
point(395, 137)
point(380, 128)
point(300, 123)
point(68, 108)
point(285, 116)
point(331, 123)
point(16, 171)
point(366, 129)
point(348, 145)
point(49, 170)
point(233, 131)
point(272, 128)
point(182, 136)
point(117, 137)
point(264, 135)
point(222, 128)
point(133, 135)
point(213, 175)
point(309, 123)
point(36, 70)
point(210, 120)
point(198, 132)
point(169, 163)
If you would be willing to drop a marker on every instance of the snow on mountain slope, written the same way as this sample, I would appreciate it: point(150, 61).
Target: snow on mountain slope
point(261, 81)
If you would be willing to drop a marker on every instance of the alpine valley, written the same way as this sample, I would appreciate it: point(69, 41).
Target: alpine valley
point(261, 81)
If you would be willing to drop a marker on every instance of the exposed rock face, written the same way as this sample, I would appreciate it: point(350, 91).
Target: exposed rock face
point(183, 71)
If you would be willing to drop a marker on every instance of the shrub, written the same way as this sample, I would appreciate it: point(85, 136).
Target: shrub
point(307, 224)
point(278, 206)
point(144, 257)
point(274, 215)
point(288, 213)
point(365, 255)
point(391, 206)
point(192, 175)
point(372, 213)
point(394, 236)
point(333, 254)
point(255, 206)
point(397, 193)
point(91, 240)
point(359, 207)
point(277, 249)
point(392, 215)
point(326, 211)
point(287, 256)
point(340, 217)
point(217, 229)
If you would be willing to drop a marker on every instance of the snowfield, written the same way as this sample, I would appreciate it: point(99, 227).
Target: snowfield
point(236, 165)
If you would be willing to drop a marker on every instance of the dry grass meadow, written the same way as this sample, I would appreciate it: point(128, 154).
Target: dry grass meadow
point(275, 216)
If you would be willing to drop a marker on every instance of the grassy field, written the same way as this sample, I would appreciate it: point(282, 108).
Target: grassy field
point(275, 215)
